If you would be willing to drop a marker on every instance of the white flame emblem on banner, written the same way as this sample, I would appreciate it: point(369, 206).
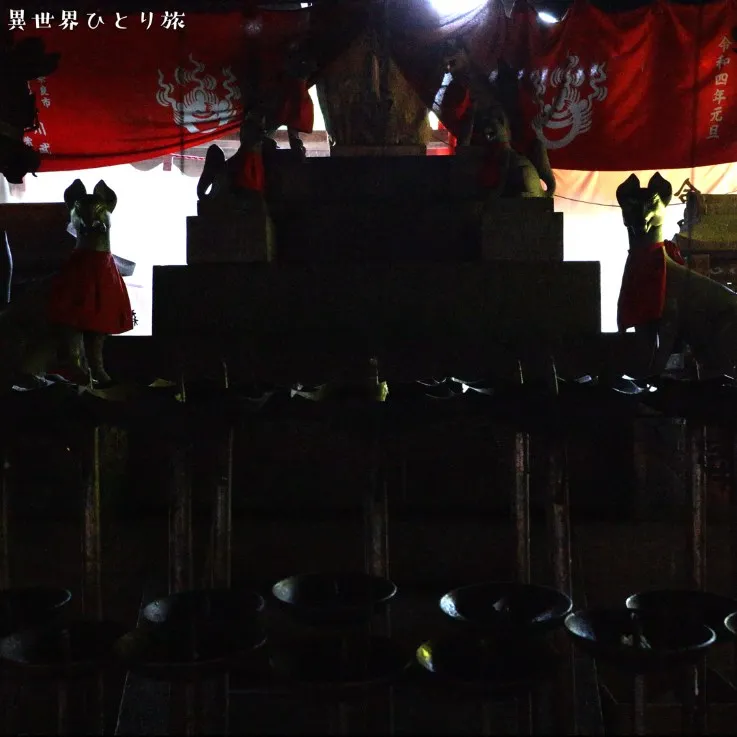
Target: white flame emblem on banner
point(200, 109)
point(569, 111)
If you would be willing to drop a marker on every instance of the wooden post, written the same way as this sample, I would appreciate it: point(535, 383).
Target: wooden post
point(180, 519)
point(92, 533)
point(92, 578)
point(376, 521)
point(182, 715)
point(10, 689)
point(4, 511)
point(216, 691)
point(733, 529)
point(697, 498)
point(558, 522)
point(222, 511)
point(522, 504)
point(696, 453)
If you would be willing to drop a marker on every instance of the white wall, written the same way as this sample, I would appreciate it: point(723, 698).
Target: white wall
point(148, 225)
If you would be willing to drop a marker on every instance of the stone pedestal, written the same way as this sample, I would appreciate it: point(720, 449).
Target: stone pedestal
point(524, 229)
point(235, 237)
point(299, 322)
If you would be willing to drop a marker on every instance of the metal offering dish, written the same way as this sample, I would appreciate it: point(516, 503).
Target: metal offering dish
point(72, 648)
point(493, 664)
point(701, 607)
point(30, 607)
point(507, 608)
point(730, 624)
point(202, 629)
point(220, 606)
point(339, 662)
point(163, 653)
point(639, 641)
point(334, 599)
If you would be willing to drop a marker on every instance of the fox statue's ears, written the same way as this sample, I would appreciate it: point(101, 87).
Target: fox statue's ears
point(630, 188)
point(77, 190)
point(660, 186)
point(74, 192)
point(106, 194)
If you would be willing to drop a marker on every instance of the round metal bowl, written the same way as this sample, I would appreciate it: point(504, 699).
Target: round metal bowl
point(228, 609)
point(73, 648)
point(507, 608)
point(30, 607)
point(700, 607)
point(730, 624)
point(203, 629)
point(639, 641)
point(159, 652)
point(334, 599)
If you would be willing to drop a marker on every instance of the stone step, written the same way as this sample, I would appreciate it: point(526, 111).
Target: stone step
point(411, 230)
point(524, 235)
point(419, 317)
point(233, 237)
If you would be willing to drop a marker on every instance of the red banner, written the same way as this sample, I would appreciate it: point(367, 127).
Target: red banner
point(652, 88)
point(135, 87)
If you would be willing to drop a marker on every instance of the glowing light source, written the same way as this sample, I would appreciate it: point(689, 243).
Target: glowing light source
point(546, 17)
point(457, 7)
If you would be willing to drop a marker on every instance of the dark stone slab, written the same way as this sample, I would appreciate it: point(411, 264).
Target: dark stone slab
point(419, 317)
point(361, 178)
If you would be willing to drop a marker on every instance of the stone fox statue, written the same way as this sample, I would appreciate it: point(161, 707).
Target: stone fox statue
point(504, 172)
point(666, 302)
point(61, 324)
point(471, 98)
point(238, 181)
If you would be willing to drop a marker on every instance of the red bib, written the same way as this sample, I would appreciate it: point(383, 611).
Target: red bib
point(88, 293)
point(295, 108)
point(489, 175)
point(248, 170)
point(642, 294)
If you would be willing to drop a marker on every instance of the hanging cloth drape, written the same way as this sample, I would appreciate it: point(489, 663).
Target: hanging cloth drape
point(417, 37)
point(630, 90)
point(650, 88)
point(654, 87)
point(125, 95)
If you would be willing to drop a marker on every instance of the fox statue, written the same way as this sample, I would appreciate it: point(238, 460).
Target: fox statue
point(666, 302)
point(60, 324)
